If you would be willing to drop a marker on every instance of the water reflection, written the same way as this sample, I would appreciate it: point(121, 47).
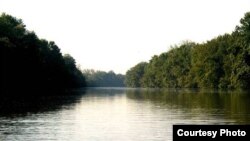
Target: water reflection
point(117, 113)
point(231, 105)
point(31, 104)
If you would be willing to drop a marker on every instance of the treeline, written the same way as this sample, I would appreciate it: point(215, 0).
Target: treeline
point(103, 79)
point(28, 62)
point(223, 62)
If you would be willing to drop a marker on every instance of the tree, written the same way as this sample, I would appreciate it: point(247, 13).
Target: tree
point(134, 75)
point(223, 62)
point(241, 53)
point(29, 63)
point(103, 79)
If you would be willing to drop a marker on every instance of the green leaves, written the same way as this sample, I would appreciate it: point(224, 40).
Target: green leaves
point(223, 62)
point(135, 75)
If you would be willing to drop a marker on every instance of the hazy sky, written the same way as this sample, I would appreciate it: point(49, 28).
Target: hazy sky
point(117, 34)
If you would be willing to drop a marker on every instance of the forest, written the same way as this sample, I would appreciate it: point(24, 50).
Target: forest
point(29, 63)
point(103, 79)
point(220, 63)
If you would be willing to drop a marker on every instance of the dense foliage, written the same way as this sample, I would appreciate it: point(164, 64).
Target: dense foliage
point(103, 79)
point(28, 62)
point(134, 76)
point(223, 62)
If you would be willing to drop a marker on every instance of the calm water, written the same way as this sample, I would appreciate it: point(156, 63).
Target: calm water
point(108, 114)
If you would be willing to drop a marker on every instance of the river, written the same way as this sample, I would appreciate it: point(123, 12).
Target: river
point(118, 114)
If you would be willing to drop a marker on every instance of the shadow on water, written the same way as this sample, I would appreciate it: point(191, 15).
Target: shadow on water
point(224, 104)
point(37, 102)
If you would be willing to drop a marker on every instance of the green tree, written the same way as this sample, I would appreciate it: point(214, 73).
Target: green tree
point(170, 69)
point(241, 66)
point(223, 62)
point(103, 79)
point(134, 75)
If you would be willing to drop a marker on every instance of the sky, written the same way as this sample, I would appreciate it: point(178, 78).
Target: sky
point(117, 34)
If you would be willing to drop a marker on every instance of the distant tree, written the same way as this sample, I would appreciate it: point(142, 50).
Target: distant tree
point(103, 79)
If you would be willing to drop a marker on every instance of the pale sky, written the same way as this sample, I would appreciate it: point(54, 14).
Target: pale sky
point(118, 34)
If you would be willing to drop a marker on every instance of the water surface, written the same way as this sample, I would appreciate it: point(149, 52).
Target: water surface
point(122, 114)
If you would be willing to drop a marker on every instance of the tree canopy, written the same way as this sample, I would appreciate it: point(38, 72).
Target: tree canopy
point(223, 62)
point(28, 62)
point(103, 79)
